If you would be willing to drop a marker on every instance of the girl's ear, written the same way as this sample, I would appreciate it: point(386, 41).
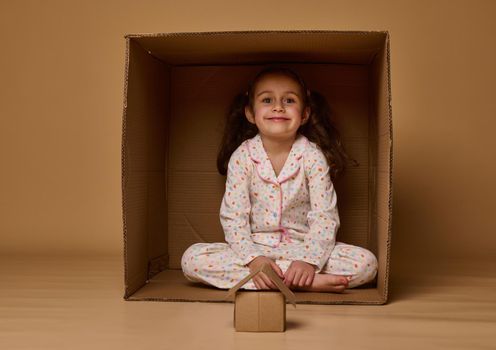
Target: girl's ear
point(306, 115)
point(249, 114)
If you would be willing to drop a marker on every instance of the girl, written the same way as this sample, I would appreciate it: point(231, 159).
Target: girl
point(280, 152)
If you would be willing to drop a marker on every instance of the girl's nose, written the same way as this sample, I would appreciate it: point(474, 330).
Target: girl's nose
point(277, 107)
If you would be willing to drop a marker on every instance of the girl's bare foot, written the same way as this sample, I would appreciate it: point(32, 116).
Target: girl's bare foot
point(327, 283)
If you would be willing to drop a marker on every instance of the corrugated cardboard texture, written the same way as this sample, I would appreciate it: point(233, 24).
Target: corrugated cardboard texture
point(260, 312)
point(143, 166)
point(263, 46)
point(179, 88)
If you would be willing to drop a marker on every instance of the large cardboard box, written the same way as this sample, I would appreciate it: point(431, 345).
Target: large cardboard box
point(178, 88)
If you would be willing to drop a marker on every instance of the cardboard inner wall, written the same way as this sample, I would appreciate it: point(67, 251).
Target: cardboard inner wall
point(144, 151)
point(196, 188)
point(179, 88)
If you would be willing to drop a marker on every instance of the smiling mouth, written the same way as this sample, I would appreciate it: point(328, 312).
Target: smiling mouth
point(278, 118)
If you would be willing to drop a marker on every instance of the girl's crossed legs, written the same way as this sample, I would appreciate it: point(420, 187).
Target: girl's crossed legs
point(216, 264)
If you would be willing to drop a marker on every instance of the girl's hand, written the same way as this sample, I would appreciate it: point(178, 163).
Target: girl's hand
point(299, 274)
point(261, 280)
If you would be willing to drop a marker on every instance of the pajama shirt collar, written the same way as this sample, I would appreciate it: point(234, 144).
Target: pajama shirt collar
point(264, 167)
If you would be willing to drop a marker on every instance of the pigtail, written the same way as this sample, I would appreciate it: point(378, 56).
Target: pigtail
point(321, 130)
point(236, 130)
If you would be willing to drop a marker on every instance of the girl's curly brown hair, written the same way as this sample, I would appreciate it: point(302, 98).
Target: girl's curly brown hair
point(319, 128)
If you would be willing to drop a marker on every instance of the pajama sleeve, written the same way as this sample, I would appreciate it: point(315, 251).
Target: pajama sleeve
point(236, 207)
point(323, 218)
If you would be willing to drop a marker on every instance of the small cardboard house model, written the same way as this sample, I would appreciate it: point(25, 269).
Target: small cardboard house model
point(261, 311)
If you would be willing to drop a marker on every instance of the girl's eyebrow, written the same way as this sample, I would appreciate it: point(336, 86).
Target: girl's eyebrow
point(267, 91)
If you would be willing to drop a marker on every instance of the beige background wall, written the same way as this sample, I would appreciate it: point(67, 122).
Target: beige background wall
point(61, 83)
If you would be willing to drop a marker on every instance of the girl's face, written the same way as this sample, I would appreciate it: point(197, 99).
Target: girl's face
point(278, 109)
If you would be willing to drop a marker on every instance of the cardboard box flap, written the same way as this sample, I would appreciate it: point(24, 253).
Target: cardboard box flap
point(247, 47)
point(273, 277)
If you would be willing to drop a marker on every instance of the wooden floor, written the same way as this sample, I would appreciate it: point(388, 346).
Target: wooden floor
point(77, 303)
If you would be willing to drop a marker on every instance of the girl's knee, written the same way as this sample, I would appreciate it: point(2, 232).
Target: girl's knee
point(190, 260)
point(366, 266)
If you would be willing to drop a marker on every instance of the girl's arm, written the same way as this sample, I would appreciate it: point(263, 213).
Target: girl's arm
point(323, 217)
point(236, 207)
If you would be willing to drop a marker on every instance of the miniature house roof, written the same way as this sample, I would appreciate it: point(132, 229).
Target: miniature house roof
point(265, 268)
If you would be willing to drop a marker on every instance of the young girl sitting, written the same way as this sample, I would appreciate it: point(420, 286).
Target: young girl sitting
point(280, 151)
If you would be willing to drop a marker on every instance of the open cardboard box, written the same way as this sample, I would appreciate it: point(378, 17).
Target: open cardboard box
point(177, 91)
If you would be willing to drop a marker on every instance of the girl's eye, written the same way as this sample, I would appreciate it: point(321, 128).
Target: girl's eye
point(286, 100)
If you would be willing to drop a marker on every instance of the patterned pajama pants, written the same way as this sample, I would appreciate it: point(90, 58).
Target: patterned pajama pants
point(216, 264)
